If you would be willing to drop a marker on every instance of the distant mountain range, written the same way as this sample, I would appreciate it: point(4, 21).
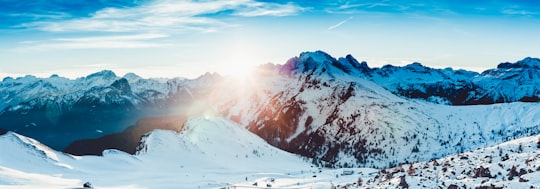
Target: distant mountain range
point(58, 111)
point(340, 112)
point(509, 82)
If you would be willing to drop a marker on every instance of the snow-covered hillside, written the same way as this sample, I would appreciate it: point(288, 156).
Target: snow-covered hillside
point(514, 164)
point(316, 108)
point(207, 153)
point(237, 158)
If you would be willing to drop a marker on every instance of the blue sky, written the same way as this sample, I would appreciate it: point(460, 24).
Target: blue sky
point(166, 38)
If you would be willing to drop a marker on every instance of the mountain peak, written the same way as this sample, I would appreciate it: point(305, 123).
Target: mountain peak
point(103, 73)
point(350, 60)
point(7, 79)
point(311, 62)
point(319, 62)
point(527, 62)
point(317, 56)
point(122, 84)
point(132, 76)
point(417, 66)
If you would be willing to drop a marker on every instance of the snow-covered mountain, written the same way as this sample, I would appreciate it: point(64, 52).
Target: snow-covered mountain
point(334, 112)
point(338, 111)
point(51, 109)
point(317, 107)
point(443, 86)
point(509, 82)
point(206, 153)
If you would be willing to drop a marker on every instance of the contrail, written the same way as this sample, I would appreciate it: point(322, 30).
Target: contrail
point(339, 24)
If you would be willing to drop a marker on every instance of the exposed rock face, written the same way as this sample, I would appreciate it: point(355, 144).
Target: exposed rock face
point(481, 172)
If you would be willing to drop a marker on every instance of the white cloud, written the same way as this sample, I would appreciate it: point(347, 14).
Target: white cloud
point(46, 15)
point(165, 15)
point(269, 9)
point(100, 42)
point(147, 22)
point(115, 38)
point(101, 66)
point(518, 12)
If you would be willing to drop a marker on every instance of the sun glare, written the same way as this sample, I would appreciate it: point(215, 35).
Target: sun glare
point(242, 71)
point(243, 78)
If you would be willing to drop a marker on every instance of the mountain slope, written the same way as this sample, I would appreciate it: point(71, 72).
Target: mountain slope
point(514, 164)
point(217, 143)
point(190, 159)
point(315, 108)
point(206, 153)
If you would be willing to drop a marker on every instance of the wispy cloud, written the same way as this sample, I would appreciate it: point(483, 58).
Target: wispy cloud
point(269, 9)
point(145, 23)
point(436, 8)
point(38, 16)
point(137, 37)
point(165, 15)
point(518, 12)
point(100, 66)
point(340, 23)
point(102, 42)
